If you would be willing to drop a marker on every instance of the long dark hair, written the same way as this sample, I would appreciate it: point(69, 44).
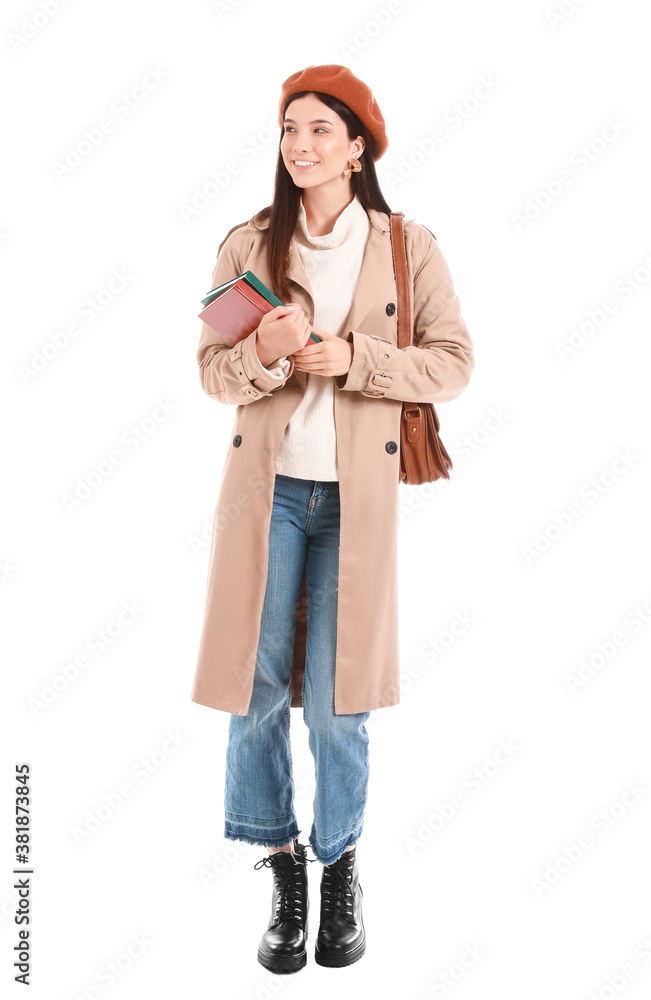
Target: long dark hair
point(283, 211)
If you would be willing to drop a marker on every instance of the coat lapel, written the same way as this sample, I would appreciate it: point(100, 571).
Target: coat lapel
point(376, 281)
point(297, 272)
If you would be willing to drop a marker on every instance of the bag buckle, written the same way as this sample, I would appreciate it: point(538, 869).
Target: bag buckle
point(414, 417)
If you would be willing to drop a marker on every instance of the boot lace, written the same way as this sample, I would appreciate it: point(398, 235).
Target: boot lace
point(290, 884)
point(336, 892)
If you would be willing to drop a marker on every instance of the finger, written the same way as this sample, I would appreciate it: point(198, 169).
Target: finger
point(304, 354)
point(314, 366)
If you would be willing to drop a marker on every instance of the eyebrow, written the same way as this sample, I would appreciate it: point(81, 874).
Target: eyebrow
point(314, 122)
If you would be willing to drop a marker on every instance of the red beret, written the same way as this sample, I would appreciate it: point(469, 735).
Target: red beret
point(340, 82)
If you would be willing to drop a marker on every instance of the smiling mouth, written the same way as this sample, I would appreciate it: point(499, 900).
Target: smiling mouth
point(305, 163)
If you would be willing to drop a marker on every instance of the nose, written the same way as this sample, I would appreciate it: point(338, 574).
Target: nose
point(298, 147)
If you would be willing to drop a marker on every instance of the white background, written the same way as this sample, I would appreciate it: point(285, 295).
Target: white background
point(501, 871)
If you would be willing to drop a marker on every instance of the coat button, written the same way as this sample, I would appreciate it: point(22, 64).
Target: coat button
point(237, 440)
point(391, 447)
point(391, 308)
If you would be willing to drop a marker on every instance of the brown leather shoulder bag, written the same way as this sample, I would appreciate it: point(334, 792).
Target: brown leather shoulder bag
point(423, 456)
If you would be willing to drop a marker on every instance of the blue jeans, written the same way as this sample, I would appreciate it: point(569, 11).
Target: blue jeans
point(259, 795)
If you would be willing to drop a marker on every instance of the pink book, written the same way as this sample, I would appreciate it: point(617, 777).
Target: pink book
point(236, 311)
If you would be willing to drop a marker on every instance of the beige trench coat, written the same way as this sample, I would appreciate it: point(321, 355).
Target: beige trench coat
point(367, 410)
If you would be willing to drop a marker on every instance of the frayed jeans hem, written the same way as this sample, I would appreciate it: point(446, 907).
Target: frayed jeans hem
point(259, 839)
point(329, 856)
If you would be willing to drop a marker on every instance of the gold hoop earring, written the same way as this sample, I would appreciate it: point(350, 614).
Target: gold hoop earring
point(355, 166)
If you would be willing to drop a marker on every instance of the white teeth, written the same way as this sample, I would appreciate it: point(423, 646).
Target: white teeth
point(305, 163)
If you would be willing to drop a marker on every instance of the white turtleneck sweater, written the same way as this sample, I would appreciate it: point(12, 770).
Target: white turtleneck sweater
point(308, 447)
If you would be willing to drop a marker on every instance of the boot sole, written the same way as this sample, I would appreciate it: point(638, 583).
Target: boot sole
point(339, 961)
point(282, 963)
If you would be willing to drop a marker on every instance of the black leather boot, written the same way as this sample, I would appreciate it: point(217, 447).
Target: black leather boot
point(283, 945)
point(341, 939)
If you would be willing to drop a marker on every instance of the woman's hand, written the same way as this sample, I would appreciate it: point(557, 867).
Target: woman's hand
point(281, 333)
point(333, 356)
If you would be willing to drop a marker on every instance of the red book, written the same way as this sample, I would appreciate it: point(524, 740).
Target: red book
point(235, 309)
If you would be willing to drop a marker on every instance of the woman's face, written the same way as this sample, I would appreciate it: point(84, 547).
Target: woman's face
point(323, 142)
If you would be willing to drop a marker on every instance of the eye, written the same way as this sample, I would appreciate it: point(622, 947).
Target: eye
point(289, 128)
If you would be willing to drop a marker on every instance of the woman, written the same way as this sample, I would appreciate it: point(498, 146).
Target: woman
point(301, 605)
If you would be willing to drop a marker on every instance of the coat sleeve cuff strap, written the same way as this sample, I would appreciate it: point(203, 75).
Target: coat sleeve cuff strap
point(370, 371)
point(255, 378)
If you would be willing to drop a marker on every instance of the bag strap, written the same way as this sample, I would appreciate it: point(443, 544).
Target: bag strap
point(399, 256)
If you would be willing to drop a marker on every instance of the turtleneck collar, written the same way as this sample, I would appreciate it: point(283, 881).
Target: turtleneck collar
point(348, 220)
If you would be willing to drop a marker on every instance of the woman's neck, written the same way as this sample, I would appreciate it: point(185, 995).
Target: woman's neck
point(321, 212)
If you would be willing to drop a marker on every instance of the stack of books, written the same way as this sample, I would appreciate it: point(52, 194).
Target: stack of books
point(235, 308)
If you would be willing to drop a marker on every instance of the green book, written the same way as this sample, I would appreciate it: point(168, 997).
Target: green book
point(254, 282)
